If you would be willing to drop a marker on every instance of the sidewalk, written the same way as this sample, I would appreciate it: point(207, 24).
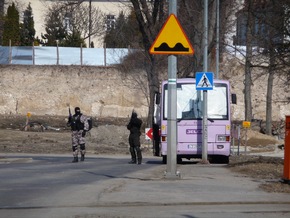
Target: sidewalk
point(204, 190)
point(198, 184)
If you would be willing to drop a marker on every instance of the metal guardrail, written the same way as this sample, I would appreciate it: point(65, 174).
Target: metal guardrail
point(36, 55)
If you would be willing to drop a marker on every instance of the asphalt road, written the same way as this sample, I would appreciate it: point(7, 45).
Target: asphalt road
point(51, 186)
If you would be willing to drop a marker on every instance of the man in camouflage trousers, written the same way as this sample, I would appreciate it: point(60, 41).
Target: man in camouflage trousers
point(79, 126)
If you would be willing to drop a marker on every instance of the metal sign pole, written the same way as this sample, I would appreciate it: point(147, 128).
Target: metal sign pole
point(217, 37)
point(204, 123)
point(172, 109)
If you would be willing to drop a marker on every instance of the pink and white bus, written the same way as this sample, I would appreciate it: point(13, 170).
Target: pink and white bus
point(189, 121)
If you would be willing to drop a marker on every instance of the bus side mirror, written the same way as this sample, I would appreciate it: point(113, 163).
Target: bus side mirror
point(157, 98)
point(234, 99)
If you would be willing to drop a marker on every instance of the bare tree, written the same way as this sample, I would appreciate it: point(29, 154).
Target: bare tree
point(79, 17)
point(248, 78)
point(88, 24)
point(151, 16)
point(275, 17)
point(265, 22)
point(2, 2)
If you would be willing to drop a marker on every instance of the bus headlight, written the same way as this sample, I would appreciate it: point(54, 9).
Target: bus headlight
point(223, 138)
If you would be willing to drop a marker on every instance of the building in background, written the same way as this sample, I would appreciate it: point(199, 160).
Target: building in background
point(111, 9)
point(267, 23)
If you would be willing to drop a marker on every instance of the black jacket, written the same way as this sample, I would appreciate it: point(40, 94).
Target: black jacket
point(134, 126)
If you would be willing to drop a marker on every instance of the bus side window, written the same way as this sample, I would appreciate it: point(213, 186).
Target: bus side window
point(234, 99)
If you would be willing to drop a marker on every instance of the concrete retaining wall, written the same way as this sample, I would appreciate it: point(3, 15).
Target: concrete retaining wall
point(99, 91)
point(107, 92)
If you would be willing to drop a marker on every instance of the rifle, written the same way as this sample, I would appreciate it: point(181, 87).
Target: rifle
point(129, 124)
point(69, 112)
point(69, 116)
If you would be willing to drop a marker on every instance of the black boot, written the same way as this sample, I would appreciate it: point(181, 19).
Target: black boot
point(132, 162)
point(76, 159)
point(82, 157)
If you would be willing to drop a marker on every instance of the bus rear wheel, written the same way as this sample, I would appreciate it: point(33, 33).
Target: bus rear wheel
point(225, 159)
point(220, 159)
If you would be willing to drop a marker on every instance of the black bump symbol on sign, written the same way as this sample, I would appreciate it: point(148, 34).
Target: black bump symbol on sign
point(178, 47)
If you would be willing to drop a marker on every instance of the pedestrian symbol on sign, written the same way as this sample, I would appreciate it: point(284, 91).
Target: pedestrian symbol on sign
point(204, 81)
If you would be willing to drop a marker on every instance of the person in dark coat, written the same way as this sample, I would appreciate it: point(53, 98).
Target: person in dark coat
point(134, 138)
point(79, 126)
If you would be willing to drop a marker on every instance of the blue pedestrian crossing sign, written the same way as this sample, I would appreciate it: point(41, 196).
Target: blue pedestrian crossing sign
point(204, 80)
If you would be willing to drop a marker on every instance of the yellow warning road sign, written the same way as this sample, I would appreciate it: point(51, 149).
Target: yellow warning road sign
point(171, 39)
point(246, 124)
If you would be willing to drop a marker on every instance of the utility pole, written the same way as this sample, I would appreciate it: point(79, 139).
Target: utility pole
point(171, 172)
point(217, 37)
point(204, 120)
point(90, 22)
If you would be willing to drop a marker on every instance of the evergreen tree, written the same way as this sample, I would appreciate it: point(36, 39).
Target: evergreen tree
point(11, 27)
point(73, 40)
point(125, 34)
point(54, 28)
point(115, 36)
point(69, 22)
point(27, 28)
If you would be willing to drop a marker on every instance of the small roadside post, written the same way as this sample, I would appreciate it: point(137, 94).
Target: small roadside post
point(28, 115)
point(246, 125)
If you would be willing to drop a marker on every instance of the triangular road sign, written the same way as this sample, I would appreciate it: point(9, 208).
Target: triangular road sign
point(171, 39)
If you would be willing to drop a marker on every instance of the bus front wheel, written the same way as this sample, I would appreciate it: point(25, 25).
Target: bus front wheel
point(164, 159)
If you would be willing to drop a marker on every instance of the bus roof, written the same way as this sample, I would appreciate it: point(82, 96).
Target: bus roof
point(193, 80)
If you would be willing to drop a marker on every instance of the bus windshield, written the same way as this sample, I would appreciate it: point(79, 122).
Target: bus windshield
point(190, 102)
